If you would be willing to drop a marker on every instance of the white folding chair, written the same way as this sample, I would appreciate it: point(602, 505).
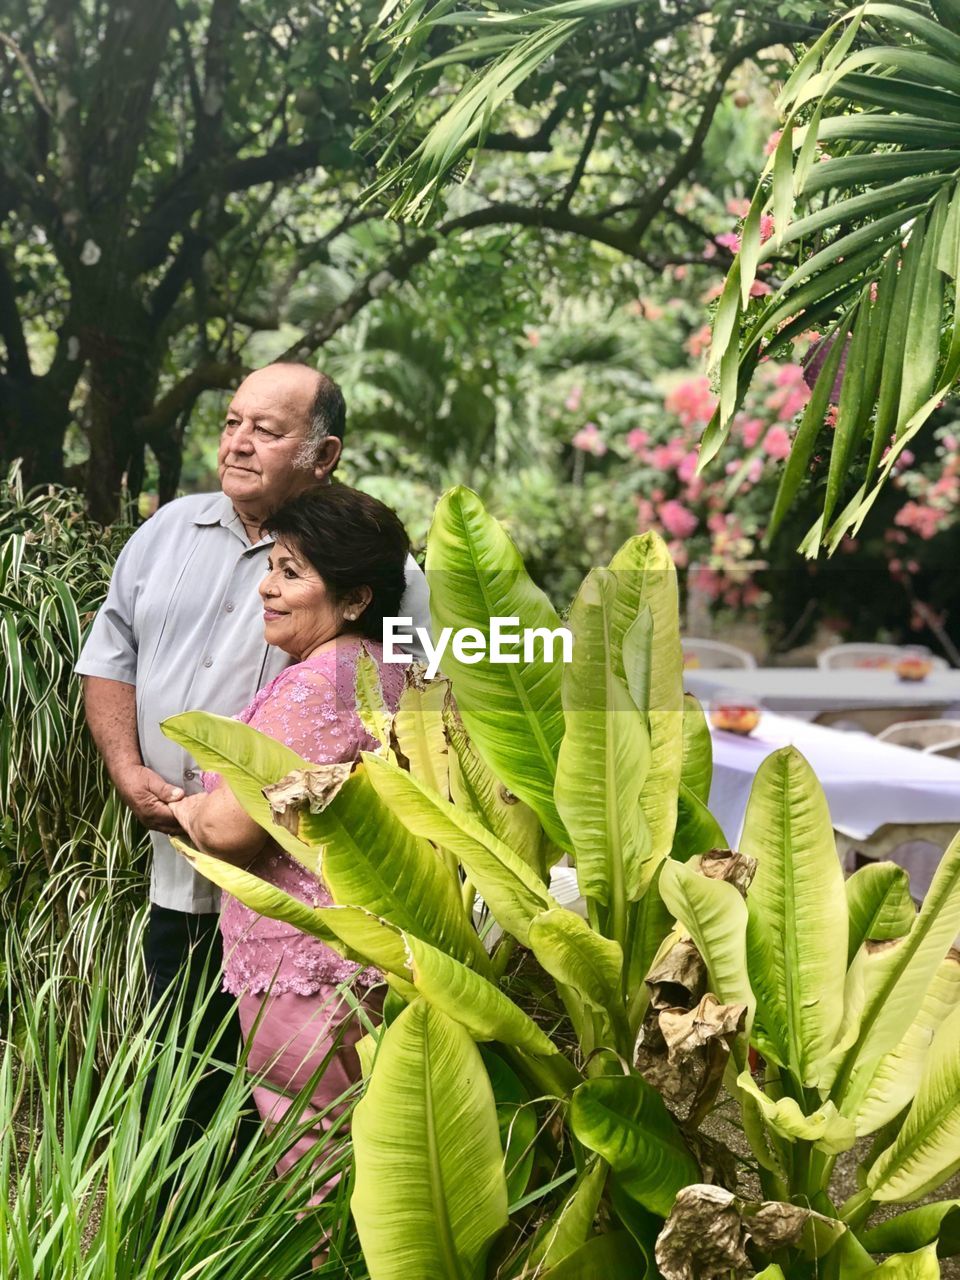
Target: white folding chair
point(922, 735)
point(715, 655)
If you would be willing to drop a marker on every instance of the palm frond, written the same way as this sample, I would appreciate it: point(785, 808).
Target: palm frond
point(864, 185)
point(511, 44)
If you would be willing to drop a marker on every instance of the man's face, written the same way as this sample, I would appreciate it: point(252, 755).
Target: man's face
point(266, 425)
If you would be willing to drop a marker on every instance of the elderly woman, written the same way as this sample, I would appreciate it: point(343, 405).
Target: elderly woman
point(336, 569)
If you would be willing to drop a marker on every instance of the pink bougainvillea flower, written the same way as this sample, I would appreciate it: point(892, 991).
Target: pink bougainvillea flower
point(767, 227)
point(760, 289)
point(739, 206)
point(776, 443)
point(710, 251)
point(830, 417)
point(771, 144)
point(711, 294)
point(533, 337)
point(589, 440)
point(708, 582)
point(637, 441)
point(677, 519)
point(692, 401)
point(751, 429)
point(728, 240)
point(755, 471)
point(678, 553)
point(688, 467)
point(920, 519)
point(698, 342)
point(646, 515)
point(572, 402)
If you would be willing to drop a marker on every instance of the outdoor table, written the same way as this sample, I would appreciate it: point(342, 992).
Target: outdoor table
point(867, 783)
point(807, 692)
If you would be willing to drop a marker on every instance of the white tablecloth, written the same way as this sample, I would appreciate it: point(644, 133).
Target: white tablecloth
point(805, 692)
point(867, 782)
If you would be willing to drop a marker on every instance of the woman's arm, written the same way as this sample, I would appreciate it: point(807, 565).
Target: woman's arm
point(216, 823)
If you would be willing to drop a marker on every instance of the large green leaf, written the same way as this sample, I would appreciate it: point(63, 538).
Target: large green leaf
point(371, 860)
point(623, 1119)
point(879, 904)
point(879, 1091)
point(921, 1265)
point(512, 711)
point(715, 915)
point(464, 995)
point(648, 923)
point(418, 727)
point(929, 1224)
point(696, 766)
point(615, 1255)
point(697, 829)
point(569, 1226)
point(901, 974)
point(825, 1127)
point(248, 761)
point(352, 932)
point(517, 1120)
point(797, 926)
point(603, 761)
point(430, 1195)
point(647, 580)
point(514, 893)
point(475, 787)
point(926, 1151)
point(577, 957)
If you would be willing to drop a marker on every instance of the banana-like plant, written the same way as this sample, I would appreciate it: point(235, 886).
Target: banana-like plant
point(536, 1093)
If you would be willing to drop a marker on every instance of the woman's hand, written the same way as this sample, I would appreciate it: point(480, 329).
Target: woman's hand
point(216, 823)
point(189, 813)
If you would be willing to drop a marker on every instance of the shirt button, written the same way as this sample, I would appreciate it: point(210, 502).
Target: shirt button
point(208, 662)
point(229, 606)
point(189, 774)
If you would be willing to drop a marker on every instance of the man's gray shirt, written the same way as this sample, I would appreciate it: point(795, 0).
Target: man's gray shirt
point(183, 622)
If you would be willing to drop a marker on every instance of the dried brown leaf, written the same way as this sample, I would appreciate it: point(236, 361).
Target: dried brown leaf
point(679, 981)
point(311, 789)
point(709, 1228)
point(724, 864)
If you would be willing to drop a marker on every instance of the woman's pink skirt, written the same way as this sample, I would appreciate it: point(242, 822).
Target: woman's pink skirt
point(293, 1036)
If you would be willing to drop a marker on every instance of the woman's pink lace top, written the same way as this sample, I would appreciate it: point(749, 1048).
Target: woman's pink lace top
point(311, 707)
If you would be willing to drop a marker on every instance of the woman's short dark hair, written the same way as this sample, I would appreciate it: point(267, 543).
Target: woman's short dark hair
point(352, 540)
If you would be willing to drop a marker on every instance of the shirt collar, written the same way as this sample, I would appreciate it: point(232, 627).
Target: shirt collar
point(219, 510)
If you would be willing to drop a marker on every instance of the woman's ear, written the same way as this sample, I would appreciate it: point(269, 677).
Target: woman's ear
point(356, 601)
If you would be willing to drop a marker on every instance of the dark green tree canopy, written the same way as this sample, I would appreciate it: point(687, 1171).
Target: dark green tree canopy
point(177, 175)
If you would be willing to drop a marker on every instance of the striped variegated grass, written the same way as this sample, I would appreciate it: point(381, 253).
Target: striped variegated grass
point(72, 864)
point(87, 1158)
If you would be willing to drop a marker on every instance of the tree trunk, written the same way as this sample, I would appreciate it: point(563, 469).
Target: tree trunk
point(123, 382)
point(34, 416)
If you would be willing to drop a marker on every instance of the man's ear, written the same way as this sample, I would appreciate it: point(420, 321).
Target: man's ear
point(328, 454)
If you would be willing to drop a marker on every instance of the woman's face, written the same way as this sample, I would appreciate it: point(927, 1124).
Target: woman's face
point(298, 612)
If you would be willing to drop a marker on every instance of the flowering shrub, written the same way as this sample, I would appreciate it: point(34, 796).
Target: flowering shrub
point(715, 523)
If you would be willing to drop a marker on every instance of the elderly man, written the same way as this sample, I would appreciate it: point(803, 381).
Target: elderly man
point(182, 628)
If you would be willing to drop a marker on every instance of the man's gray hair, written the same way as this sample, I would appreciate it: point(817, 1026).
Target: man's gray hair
point(327, 417)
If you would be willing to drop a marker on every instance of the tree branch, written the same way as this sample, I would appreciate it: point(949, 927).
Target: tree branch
point(691, 156)
point(209, 376)
point(589, 142)
point(11, 327)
